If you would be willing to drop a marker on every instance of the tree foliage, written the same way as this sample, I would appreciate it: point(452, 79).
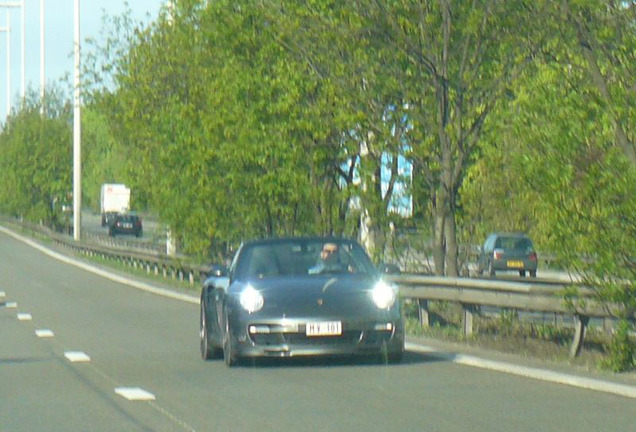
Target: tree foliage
point(238, 119)
point(34, 150)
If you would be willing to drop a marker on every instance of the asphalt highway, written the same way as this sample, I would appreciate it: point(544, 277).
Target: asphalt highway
point(80, 352)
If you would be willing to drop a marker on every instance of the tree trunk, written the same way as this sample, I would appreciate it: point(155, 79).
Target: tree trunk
point(450, 235)
point(439, 247)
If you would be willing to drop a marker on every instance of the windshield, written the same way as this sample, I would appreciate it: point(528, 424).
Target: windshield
point(303, 257)
point(514, 243)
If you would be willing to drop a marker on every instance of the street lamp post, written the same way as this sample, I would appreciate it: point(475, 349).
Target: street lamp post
point(77, 174)
point(42, 83)
point(20, 4)
point(7, 30)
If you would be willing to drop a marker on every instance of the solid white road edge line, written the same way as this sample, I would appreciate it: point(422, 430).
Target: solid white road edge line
point(103, 273)
point(529, 372)
point(534, 373)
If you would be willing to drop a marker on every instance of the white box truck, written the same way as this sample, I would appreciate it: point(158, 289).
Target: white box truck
point(115, 198)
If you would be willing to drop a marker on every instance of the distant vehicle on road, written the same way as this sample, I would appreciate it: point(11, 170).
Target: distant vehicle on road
point(125, 223)
point(507, 251)
point(115, 198)
point(300, 297)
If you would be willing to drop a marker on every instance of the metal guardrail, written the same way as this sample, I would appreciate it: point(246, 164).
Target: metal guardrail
point(131, 254)
point(470, 293)
point(535, 297)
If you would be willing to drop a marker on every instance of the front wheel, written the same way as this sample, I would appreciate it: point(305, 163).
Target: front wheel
point(395, 357)
point(207, 351)
point(228, 351)
point(390, 357)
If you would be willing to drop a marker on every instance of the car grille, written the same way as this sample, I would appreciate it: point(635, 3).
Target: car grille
point(300, 339)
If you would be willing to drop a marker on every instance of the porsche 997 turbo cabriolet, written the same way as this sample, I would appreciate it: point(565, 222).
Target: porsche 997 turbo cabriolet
point(300, 297)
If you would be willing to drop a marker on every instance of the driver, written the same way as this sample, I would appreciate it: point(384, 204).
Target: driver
point(328, 259)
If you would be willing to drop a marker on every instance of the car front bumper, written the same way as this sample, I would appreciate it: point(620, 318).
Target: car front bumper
point(288, 338)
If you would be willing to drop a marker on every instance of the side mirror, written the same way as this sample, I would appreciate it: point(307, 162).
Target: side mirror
point(388, 268)
point(217, 270)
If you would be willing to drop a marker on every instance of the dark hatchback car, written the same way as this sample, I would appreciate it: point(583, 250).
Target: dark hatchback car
point(125, 224)
point(300, 297)
point(507, 251)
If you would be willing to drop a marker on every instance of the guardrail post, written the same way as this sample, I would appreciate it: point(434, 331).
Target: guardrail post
point(580, 323)
point(422, 312)
point(468, 316)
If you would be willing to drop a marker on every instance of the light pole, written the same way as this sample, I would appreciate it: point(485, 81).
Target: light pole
point(42, 83)
point(20, 4)
point(77, 129)
point(7, 30)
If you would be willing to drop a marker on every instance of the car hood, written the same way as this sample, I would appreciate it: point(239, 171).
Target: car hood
point(316, 295)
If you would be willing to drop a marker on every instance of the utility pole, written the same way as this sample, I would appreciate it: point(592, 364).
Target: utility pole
point(9, 5)
point(42, 77)
point(77, 129)
point(7, 30)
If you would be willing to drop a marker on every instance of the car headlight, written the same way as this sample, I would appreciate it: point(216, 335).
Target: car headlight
point(251, 300)
point(383, 295)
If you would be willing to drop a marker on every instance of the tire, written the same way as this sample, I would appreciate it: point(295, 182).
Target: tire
point(395, 357)
point(390, 357)
point(533, 273)
point(207, 349)
point(522, 273)
point(229, 356)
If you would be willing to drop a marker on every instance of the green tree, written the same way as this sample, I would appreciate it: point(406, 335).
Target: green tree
point(36, 159)
point(455, 59)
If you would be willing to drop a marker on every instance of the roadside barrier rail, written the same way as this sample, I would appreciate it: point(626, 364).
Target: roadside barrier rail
point(470, 293)
point(535, 297)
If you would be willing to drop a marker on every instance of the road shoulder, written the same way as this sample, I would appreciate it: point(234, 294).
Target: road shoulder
point(623, 384)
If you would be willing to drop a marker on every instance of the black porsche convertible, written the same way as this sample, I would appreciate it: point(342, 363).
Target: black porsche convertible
point(300, 297)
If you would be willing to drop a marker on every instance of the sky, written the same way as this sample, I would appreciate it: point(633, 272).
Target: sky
point(59, 27)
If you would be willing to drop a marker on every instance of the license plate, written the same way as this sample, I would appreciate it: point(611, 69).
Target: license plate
point(515, 264)
point(127, 225)
point(327, 328)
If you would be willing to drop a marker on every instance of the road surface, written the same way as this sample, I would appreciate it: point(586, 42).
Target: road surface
point(79, 352)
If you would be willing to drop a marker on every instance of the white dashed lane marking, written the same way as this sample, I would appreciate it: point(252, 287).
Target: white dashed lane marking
point(11, 305)
point(134, 394)
point(77, 356)
point(24, 317)
point(44, 333)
